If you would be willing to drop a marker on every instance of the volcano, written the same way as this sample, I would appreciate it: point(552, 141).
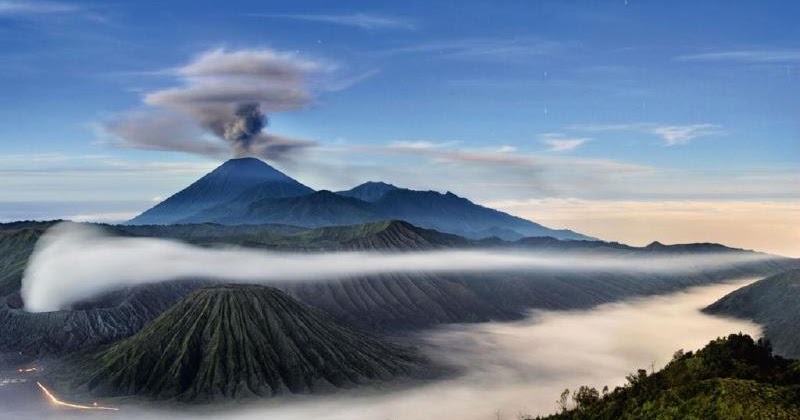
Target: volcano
point(248, 191)
point(233, 342)
point(235, 181)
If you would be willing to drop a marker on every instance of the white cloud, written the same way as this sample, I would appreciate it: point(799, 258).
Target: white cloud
point(671, 134)
point(421, 144)
point(559, 143)
point(682, 134)
point(21, 8)
point(757, 56)
point(356, 20)
point(483, 49)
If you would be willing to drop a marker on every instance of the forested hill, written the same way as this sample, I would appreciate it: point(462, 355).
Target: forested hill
point(730, 378)
point(773, 302)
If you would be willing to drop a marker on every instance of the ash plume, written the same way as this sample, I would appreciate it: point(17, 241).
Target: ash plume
point(226, 96)
point(248, 123)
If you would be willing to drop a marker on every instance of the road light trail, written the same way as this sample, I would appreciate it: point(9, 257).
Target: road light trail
point(60, 403)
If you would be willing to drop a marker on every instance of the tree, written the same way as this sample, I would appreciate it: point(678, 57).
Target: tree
point(585, 396)
point(563, 400)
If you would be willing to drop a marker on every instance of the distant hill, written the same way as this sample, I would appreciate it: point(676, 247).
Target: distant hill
point(773, 302)
point(730, 378)
point(369, 191)
point(248, 191)
point(391, 303)
point(233, 181)
point(453, 214)
point(233, 342)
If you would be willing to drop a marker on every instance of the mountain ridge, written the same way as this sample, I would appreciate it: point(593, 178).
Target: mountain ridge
point(269, 196)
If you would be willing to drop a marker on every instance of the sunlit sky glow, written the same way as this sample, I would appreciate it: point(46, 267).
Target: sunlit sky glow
point(627, 120)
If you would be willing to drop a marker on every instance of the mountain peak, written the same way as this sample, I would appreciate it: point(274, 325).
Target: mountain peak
point(370, 191)
point(249, 167)
point(226, 182)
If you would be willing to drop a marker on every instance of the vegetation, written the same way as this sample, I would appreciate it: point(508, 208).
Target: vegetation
point(773, 302)
point(730, 378)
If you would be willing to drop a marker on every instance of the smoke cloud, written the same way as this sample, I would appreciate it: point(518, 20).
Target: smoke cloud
point(225, 95)
point(73, 262)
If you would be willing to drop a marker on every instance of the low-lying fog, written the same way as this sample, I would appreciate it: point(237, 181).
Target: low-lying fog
point(511, 368)
point(73, 262)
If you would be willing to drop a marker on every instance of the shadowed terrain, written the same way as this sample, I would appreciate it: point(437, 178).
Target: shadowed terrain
point(773, 302)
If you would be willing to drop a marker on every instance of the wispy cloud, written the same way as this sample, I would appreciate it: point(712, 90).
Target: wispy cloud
point(356, 20)
point(483, 49)
point(682, 134)
point(41, 10)
point(445, 152)
point(421, 144)
point(671, 134)
point(558, 142)
point(22, 8)
point(753, 56)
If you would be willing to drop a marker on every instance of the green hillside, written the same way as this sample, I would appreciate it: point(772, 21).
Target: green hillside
point(731, 378)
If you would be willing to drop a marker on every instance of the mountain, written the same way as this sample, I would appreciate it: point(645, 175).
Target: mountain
point(453, 214)
point(232, 342)
point(369, 191)
point(248, 191)
point(773, 302)
point(233, 181)
point(730, 378)
point(321, 208)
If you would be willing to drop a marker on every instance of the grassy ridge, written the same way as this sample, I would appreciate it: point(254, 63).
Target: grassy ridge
point(731, 378)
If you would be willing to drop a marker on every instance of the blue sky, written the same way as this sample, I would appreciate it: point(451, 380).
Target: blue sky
point(510, 104)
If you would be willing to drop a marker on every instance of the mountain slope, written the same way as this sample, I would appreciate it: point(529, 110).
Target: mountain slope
point(773, 302)
point(322, 208)
point(241, 341)
point(102, 321)
point(228, 182)
point(369, 191)
point(453, 214)
point(730, 378)
point(16, 244)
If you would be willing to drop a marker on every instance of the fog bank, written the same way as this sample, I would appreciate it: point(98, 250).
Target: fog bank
point(73, 262)
point(510, 368)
